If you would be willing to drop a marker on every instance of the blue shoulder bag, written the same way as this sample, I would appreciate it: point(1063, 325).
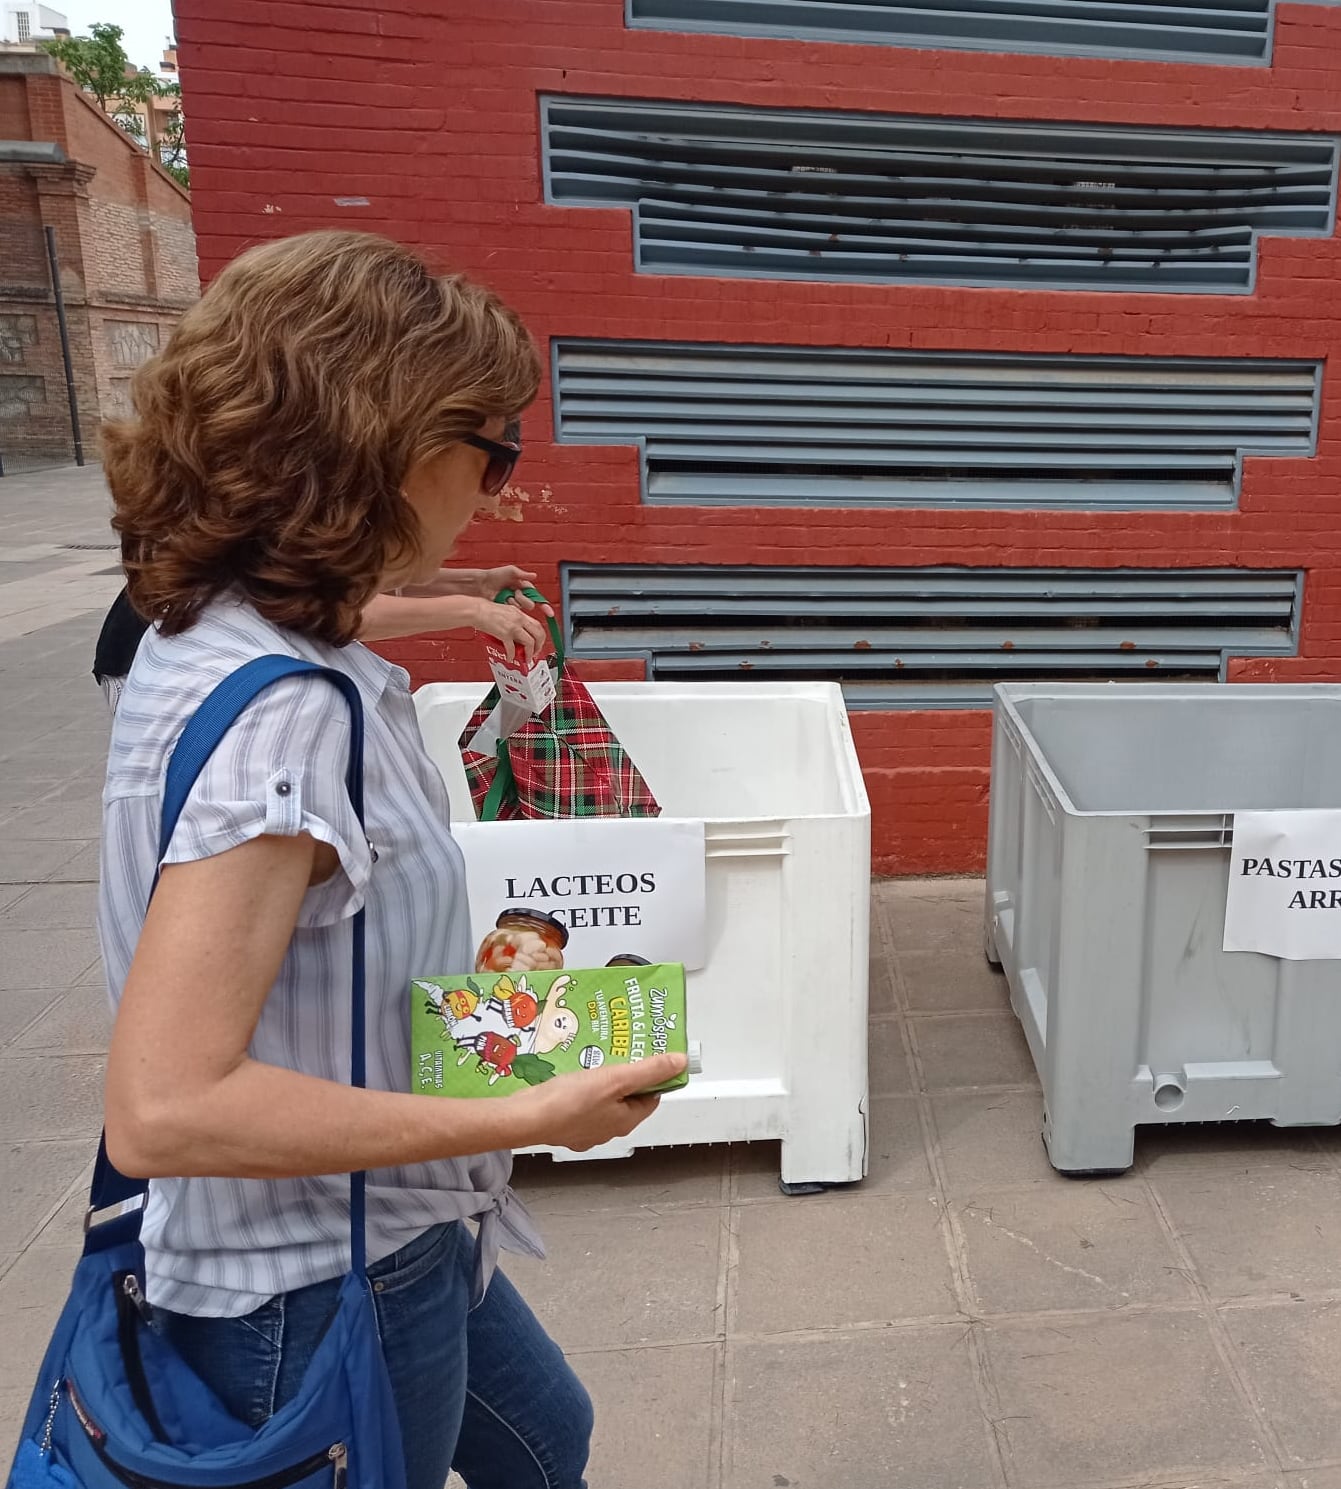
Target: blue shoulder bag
point(114, 1406)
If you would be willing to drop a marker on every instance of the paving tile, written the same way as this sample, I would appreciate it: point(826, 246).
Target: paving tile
point(891, 1264)
point(21, 1007)
point(79, 1024)
point(1232, 1147)
point(13, 1409)
point(1069, 1247)
point(31, 1294)
point(83, 868)
point(897, 1159)
point(66, 1226)
point(650, 1180)
point(1313, 1478)
point(57, 821)
point(42, 1095)
point(954, 980)
point(1259, 1232)
point(37, 959)
point(31, 863)
point(617, 1280)
point(884, 989)
point(753, 1171)
point(965, 1050)
point(933, 914)
point(33, 1179)
point(54, 907)
point(1132, 1398)
point(25, 787)
point(1292, 1353)
point(94, 976)
point(654, 1408)
point(898, 1154)
point(889, 1072)
point(992, 1139)
point(886, 1409)
point(10, 895)
point(58, 747)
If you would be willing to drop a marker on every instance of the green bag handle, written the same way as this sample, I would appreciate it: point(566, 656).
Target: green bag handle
point(504, 780)
point(504, 595)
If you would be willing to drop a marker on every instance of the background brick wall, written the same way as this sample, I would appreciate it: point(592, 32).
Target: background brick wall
point(419, 118)
point(126, 248)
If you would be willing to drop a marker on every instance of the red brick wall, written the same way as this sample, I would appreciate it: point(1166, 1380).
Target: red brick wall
point(427, 108)
point(127, 255)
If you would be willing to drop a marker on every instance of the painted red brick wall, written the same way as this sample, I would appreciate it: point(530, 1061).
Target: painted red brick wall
point(424, 113)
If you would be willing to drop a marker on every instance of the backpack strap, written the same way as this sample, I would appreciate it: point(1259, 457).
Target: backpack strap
point(201, 737)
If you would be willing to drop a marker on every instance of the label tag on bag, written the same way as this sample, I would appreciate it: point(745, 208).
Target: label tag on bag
point(533, 689)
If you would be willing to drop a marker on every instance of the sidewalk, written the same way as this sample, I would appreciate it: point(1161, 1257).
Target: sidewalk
point(964, 1320)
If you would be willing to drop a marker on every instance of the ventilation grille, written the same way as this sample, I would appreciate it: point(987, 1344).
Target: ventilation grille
point(1223, 31)
point(930, 637)
point(788, 426)
point(795, 195)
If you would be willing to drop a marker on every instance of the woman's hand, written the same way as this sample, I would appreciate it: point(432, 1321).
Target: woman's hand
point(586, 1108)
point(507, 576)
point(518, 631)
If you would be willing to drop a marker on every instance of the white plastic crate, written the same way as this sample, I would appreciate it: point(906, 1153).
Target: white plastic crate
point(780, 1006)
point(1112, 817)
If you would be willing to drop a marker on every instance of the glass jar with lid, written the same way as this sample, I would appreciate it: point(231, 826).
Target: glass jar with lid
point(523, 941)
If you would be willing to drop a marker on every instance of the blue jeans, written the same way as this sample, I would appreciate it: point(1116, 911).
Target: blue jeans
point(486, 1393)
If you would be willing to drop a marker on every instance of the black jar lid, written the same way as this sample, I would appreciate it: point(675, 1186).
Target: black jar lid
point(537, 918)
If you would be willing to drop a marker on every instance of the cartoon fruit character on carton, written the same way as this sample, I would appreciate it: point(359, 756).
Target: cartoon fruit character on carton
point(509, 1029)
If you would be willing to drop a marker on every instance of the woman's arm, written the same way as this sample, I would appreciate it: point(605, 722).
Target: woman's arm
point(184, 1097)
point(485, 584)
point(389, 616)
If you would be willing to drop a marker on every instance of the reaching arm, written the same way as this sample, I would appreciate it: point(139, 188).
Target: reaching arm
point(388, 616)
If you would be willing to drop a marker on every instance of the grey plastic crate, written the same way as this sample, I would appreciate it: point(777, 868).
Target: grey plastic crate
point(1112, 814)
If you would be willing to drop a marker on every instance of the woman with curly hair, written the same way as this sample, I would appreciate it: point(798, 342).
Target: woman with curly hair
point(319, 430)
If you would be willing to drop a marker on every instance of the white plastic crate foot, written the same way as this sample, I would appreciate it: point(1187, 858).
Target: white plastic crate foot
point(831, 1149)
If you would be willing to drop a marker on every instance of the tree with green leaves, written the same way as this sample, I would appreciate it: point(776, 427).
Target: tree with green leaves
point(99, 65)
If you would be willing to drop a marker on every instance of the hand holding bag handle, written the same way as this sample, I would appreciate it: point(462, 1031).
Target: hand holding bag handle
point(555, 636)
point(504, 780)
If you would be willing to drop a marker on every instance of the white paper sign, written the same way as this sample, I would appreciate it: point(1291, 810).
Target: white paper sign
point(1285, 885)
point(620, 886)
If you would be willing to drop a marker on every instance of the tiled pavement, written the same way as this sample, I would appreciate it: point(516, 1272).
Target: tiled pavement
point(963, 1320)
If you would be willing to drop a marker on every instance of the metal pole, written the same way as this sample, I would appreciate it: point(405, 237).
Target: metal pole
point(54, 262)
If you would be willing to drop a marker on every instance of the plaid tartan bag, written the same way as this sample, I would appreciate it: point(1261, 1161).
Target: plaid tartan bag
point(563, 763)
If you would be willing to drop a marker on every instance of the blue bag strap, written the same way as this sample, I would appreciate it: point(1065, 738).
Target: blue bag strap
point(202, 736)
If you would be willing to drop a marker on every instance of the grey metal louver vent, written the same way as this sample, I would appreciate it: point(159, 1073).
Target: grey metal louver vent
point(792, 426)
point(791, 194)
point(930, 637)
point(1232, 31)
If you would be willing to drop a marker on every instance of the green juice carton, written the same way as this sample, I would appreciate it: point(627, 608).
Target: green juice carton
point(493, 1033)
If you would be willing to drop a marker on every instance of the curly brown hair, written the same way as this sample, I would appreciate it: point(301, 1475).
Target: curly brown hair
point(273, 433)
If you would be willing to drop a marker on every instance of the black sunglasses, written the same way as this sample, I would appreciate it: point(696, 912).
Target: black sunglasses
point(503, 456)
